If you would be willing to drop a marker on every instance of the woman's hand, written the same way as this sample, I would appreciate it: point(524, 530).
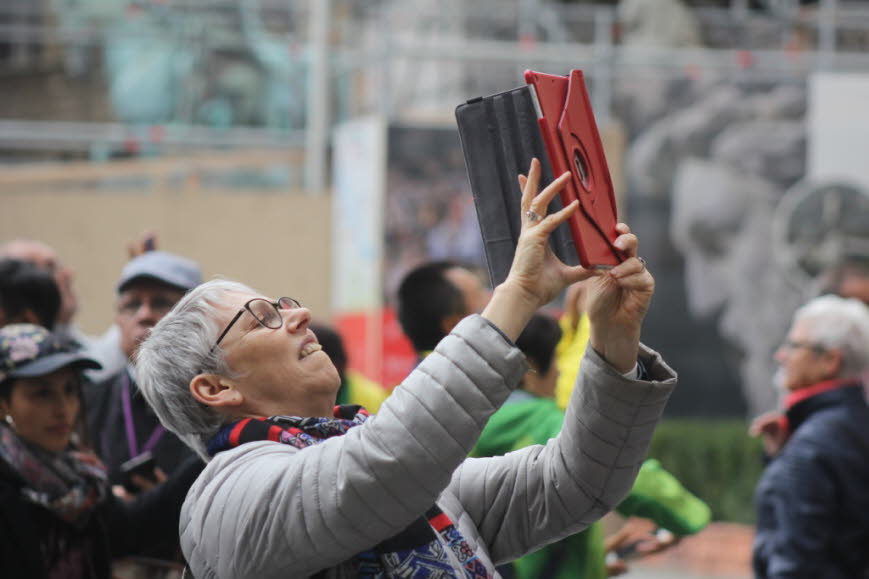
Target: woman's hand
point(620, 297)
point(535, 269)
point(536, 275)
point(617, 301)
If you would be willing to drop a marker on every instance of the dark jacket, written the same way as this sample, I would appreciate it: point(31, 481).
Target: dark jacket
point(812, 501)
point(114, 529)
point(108, 428)
point(109, 436)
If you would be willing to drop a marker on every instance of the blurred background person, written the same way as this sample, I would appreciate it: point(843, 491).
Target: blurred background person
point(58, 516)
point(433, 297)
point(107, 348)
point(122, 424)
point(812, 504)
point(46, 257)
point(28, 294)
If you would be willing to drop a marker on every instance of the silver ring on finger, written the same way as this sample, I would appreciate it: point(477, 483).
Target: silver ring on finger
point(532, 215)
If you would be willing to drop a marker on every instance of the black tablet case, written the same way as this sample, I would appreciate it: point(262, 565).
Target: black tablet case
point(500, 136)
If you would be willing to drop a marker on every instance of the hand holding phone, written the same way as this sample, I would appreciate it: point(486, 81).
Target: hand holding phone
point(143, 466)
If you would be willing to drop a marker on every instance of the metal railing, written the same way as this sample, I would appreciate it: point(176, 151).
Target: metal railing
point(344, 59)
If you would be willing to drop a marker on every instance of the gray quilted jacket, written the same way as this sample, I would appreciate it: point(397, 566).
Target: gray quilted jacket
point(266, 509)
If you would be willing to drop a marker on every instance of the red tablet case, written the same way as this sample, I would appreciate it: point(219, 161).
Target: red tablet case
point(573, 144)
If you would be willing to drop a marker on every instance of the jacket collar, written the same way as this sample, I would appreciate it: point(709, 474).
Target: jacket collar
point(804, 402)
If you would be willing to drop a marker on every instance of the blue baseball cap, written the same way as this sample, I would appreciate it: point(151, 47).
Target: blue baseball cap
point(164, 267)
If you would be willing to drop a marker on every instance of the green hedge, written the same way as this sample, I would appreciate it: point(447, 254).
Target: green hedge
point(714, 459)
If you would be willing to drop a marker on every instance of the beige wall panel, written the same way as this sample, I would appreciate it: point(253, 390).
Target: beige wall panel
point(614, 140)
point(278, 242)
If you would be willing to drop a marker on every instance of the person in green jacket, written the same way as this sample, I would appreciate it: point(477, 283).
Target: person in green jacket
point(532, 416)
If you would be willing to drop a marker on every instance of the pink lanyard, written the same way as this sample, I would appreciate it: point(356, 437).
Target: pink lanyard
point(132, 443)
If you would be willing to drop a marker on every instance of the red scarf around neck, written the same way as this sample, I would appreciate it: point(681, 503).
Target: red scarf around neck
point(797, 396)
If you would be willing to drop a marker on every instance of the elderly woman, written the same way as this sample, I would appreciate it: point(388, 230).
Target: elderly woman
point(296, 487)
point(58, 516)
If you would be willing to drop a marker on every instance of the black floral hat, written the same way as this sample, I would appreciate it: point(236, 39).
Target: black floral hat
point(27, 351)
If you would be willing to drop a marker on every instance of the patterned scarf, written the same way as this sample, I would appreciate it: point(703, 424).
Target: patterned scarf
point(418, 551)
point(69, 484)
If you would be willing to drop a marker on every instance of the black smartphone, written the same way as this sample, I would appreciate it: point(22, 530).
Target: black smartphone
point(143, 465)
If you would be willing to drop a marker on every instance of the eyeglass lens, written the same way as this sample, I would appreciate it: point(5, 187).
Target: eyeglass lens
point(286, 303)
point(267, 314)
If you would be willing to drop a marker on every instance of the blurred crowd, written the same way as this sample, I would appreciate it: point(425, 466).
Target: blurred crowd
point(89, 475)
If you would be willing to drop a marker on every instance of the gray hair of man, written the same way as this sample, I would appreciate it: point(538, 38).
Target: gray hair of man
point(837, 323)
point(178, 348)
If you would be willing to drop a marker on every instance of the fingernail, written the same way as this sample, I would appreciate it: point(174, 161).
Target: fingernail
point(619, 244)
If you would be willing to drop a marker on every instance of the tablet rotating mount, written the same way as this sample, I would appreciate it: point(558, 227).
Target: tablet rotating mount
point(550, 119)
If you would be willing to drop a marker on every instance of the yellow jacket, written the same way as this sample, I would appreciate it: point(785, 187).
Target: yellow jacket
point(568, 356)
point(367, 393)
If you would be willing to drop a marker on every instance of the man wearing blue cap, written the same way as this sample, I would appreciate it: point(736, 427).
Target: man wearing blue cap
point(122, 424)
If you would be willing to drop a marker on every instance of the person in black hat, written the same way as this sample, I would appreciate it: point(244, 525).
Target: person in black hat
point(58, 517)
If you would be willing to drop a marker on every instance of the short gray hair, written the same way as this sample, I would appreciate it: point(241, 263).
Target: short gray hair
point(177, 349)
point(836, 323)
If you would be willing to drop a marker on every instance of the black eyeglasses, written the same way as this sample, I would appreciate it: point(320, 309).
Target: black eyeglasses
point(794, 345)
point(267, 313)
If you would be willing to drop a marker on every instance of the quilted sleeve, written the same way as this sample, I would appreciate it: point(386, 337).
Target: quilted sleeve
point(539, 494)
point(659, 496)
point(269, 510)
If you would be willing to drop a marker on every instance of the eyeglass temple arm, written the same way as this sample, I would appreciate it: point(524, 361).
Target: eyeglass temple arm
point(226, 329)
